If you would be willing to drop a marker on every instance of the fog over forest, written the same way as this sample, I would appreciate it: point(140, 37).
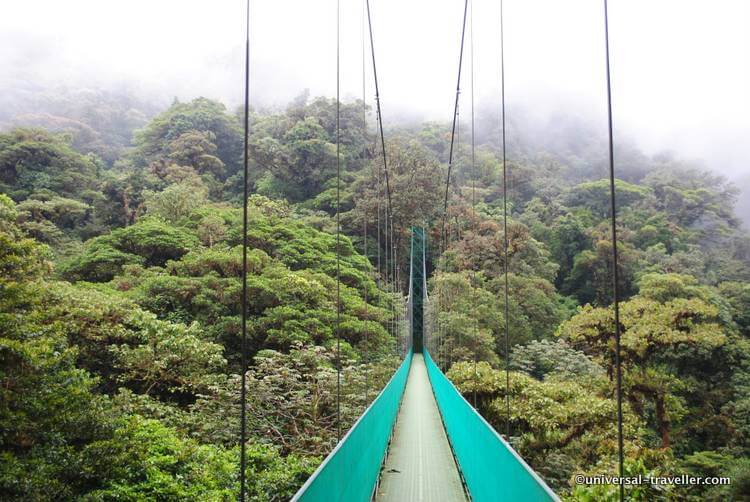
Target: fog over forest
point(680, 71)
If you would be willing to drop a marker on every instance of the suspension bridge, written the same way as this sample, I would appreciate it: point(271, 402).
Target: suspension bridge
point(419, 439)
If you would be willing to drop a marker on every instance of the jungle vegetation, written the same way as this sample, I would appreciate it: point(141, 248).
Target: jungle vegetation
point(120, 267)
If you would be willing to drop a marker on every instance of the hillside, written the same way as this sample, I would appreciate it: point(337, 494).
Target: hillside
point(120, 280)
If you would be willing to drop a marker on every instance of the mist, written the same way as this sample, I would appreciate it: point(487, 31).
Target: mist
point(680, 68)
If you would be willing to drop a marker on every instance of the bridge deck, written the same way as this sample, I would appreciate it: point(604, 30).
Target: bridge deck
point(420, 465)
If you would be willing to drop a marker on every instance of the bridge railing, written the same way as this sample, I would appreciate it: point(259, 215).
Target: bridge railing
point(491, 468)
point(351, 470)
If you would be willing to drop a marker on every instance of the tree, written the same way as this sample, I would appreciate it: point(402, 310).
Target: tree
point(415, 178)
point(738, 296)
point(560, 426)
point(594, 196)
point(292, 399)
point(167, 358)
point(688, 196)
point(197, 149)
point(143, 459)
point(60, 211)
point(32, 160)
point(300, 162)
point(190, 131)
point(481, 247)
point(468, 317)
point(654, 338)
point(590, 279)
point(176, 201)
point(545, 357)
point(211, 230)
point(48, 408)
point(151, 241)
point(568, 239)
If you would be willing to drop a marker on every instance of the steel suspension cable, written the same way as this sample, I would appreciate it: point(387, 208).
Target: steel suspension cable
point(441, 307)
point(338, 218)
point(378, 189)
point(398, 288)
point(377, 104)
point(473, 199)
point(244, 307)
point(452, 145)
point(386, 248)
point(379, 225)
point(506, 264)
point(364, 229)
point(444, 230)
point(387, 263)
point(456, 343)
point(615, 271)
point(439, 303)
point(394, 315)
point(455, 112)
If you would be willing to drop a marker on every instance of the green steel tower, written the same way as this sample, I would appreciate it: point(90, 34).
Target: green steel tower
point(417, 287)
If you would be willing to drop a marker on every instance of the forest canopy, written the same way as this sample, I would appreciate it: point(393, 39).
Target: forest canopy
point(120, 283)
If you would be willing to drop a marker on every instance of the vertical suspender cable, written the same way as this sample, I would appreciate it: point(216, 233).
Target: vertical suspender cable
point(438, 309)
point(378, 189)
point(364, 226)
point(386, 250)
point(394, 318)
point(440, 304)
point(473, 209)
point(338, 218)
point(615, 271)
point(505, 227)
point(471, 95)
point(388, 257)
point(397, 293)
point(243, 363)
point(473, 198)
point(397, 287)
point(392, 284)
point(456, 344)
point(396, 308)
point(394, 291)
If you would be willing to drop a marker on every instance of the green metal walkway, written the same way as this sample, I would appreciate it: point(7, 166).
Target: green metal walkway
point(420, 464)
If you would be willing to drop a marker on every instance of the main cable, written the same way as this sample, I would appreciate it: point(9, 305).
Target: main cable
point(377, 104)
point(444, 231)
point(390, 268)
point(615, 274)
point(455, 113)
point(245, 192)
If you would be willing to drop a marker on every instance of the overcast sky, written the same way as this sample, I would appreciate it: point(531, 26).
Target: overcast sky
point(680, 68)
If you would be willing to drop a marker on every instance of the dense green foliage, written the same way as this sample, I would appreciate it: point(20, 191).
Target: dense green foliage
point(120, 283)
point(684, 272)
